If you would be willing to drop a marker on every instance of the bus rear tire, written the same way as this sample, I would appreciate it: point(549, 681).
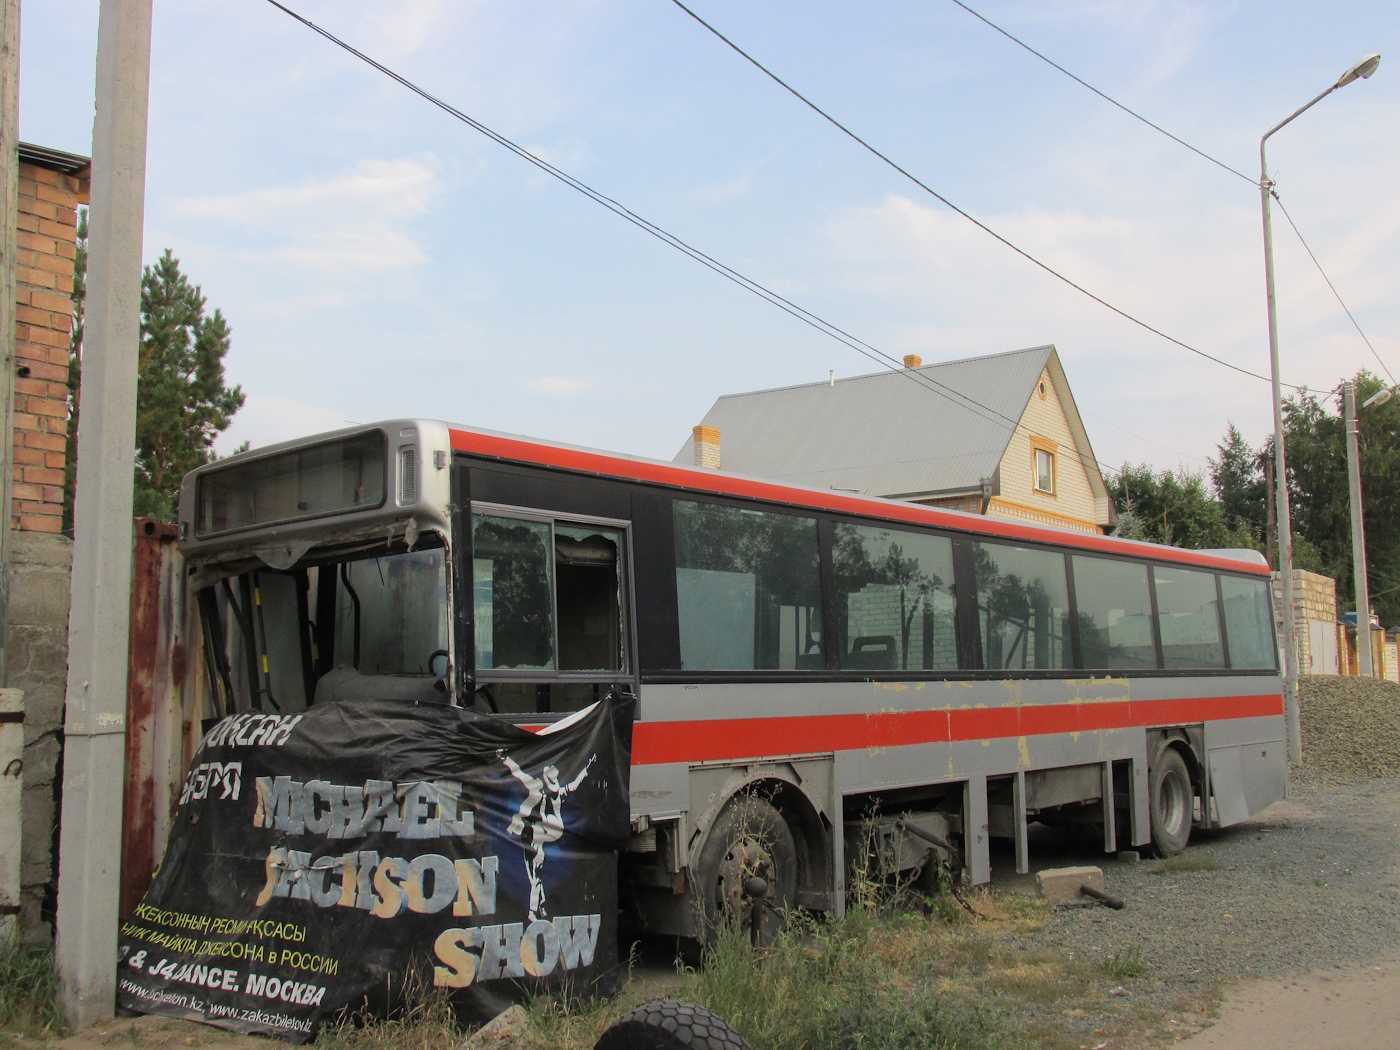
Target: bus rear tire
point(749, 838)
point(1170, 802)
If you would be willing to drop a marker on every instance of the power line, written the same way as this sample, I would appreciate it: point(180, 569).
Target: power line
point(1107, 98)
point(1199, 152)
point(966, 215)
point(879, 357)
point(1274, 193)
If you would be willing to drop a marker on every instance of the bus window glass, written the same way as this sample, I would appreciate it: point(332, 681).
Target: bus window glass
point(513, 593)
point(1115, 614)
point(588, 585)
point(894, 600)
point(1188, 616)
point(1249, 623)
point(748, 589)
point(400, 602)
point(1022, 608)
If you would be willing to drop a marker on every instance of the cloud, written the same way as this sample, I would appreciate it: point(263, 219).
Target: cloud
point(556, 386)
point(360, 220)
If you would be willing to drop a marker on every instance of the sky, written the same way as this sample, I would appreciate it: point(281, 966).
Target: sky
point(377, 258)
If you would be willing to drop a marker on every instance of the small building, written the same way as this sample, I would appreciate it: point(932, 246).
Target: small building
point(52, 186)
point(997, 435)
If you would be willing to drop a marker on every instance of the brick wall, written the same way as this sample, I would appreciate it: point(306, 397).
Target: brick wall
point(45, 244)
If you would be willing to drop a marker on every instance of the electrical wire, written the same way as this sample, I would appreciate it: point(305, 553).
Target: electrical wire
point(1279, 201)
point(949, 204)
point(1107, 98)
point(1199, 152)
point(879, 357)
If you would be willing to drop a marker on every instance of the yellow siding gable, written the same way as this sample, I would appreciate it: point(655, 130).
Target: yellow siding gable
point(1072, 504)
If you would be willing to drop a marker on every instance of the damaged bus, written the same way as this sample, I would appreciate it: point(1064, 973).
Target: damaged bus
point(815, 671)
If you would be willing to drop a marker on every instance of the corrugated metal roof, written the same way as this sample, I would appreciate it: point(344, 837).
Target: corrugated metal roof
point(886, 434)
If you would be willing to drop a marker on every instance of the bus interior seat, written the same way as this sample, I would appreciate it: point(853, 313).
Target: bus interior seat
point(872, 653)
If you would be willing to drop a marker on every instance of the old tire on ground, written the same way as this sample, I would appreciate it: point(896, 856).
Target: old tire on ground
point(749, 837)
point(1169, 798)
point(670, 1025)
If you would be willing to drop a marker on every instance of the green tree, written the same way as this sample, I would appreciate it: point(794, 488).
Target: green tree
point(182, 402)
point(1238, 479)
point(1320, 494)
point(1173, 507)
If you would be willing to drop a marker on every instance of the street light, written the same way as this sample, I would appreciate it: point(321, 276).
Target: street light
point(1380, 397)
point(1361, 70)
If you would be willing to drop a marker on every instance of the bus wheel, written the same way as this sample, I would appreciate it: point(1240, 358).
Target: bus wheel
point(748, 839)
point(670, 1025)
point(1170, 796)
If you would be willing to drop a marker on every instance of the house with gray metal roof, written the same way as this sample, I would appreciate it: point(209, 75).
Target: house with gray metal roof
point(997, 435)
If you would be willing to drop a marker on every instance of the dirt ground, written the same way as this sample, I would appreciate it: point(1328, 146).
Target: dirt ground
point(1347, 1009)
point(1283, 932)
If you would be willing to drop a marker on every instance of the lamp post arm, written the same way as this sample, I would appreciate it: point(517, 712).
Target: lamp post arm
point(1287, 120)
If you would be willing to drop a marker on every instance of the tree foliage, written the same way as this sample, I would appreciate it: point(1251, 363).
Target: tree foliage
point(1319, 492)
point(1174, 507)
point(182, 401)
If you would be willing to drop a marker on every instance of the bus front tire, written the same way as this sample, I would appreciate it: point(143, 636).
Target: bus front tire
point(749, 838)
point(1170, 801)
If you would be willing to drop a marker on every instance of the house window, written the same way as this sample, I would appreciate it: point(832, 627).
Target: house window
point(1045, 471)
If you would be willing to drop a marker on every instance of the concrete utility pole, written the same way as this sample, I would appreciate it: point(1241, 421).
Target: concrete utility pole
point(1359, 71)
point(90, 836)
point(1358, 534)
point(9, 212)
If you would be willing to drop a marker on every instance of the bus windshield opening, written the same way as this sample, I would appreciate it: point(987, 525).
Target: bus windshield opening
point(366, 626)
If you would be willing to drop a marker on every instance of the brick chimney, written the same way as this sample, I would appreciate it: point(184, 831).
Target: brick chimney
point(912, 360)
point(706, 441)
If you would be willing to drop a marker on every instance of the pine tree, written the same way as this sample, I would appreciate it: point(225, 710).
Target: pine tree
point(182, 403)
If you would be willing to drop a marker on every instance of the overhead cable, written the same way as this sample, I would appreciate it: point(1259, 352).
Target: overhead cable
point(1199, 152)
point(876, 355)
point(1107, 98)
point(1279, 201)
point(966, 215)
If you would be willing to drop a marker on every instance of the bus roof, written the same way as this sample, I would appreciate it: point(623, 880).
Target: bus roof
point(536, 452)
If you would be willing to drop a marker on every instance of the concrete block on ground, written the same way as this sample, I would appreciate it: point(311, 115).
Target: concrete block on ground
point(1062, 884)
point(1129, 856)
point(510, 1030)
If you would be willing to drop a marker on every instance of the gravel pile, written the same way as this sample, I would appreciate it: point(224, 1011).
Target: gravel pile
point(1351, 728)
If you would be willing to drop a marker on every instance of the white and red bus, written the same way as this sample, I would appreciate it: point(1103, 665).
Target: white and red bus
point(803, 659)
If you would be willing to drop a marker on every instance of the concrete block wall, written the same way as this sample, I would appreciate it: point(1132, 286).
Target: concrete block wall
point(36, 653)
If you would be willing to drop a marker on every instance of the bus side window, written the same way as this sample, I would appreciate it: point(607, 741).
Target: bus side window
point(1249, 623)
point(1022, 608)
point(589, 597)
point(1188, 617)
point(1114, 605)
point(895, 609)
point(748, 589)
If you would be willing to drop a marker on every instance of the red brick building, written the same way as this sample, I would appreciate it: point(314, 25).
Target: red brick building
point(52, 185)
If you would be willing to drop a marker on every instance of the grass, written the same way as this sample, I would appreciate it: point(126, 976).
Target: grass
point(1197, 860)
point(28, 988)
point(1123, 965)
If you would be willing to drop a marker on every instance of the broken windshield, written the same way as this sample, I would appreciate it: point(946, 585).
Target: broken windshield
point(361, 626)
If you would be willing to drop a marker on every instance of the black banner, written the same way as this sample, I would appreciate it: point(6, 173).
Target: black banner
point(319, 857)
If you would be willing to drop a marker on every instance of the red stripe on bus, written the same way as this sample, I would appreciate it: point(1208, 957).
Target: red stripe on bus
point(654, 743)
point(517, 450)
